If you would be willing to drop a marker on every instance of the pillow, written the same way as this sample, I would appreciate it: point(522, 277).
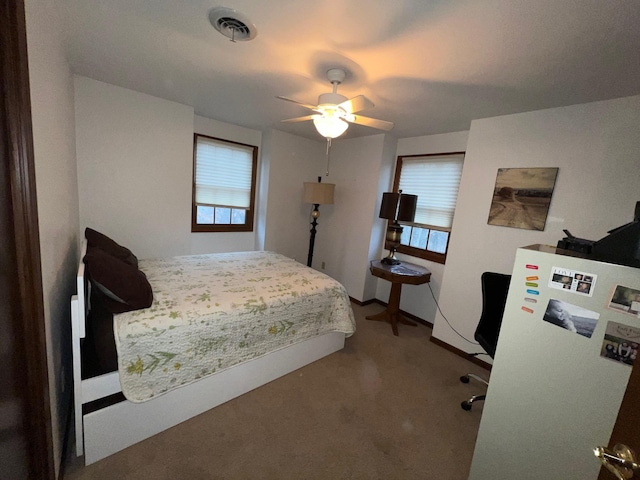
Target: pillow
point(101, 241)
point(99, 354)
point(122, 287)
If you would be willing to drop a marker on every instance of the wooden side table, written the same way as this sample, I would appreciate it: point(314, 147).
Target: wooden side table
point(398, 275)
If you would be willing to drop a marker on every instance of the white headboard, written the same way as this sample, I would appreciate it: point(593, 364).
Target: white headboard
point(79, 306)
point(82, 289)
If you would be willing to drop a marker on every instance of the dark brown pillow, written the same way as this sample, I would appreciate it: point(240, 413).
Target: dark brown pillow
point(99, 354)
point(121, 286)
point(101, 241)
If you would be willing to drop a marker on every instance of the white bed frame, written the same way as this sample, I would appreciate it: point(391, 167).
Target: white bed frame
point(106, 431)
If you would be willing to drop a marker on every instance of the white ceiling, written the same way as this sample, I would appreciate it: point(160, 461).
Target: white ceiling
point(430, 66)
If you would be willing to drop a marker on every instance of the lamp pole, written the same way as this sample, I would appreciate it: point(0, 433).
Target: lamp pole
point(315, 214)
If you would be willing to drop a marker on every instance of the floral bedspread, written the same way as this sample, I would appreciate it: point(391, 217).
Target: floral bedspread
point(211, 312)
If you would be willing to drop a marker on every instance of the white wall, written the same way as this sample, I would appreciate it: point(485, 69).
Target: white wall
point(292, 161)
point(134, 167)
point(218, 242)
point(135, 170)
point(417, 299)
point(349, 234)
point(352, 230)
point(595, 146)
point(378, 231)
point(260, 222)
point(57, 196)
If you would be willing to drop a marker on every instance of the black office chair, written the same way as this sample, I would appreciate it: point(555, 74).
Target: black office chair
point(495, 287)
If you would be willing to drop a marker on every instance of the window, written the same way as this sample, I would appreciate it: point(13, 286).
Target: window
point(224, 185)
point(435, 180)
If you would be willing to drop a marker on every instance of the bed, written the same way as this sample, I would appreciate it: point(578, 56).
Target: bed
point(215, 327)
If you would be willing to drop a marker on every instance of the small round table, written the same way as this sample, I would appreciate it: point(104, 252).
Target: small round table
point(398, 275)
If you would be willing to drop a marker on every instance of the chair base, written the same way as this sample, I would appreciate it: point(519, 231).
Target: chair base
point(467, 404)
point(465, 378)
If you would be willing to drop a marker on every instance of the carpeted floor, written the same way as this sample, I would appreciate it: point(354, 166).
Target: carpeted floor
point(385, 407)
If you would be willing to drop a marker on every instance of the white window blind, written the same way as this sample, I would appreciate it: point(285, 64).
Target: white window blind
point(435, 180)
point(223, 174)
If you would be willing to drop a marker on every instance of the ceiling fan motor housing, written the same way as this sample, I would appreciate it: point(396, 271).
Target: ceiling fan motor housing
point(336, 75)
point(331, 99)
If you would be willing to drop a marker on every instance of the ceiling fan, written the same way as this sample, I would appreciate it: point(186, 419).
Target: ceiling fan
point(335, 112)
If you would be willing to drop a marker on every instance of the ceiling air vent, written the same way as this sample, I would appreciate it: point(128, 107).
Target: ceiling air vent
point(232, 24)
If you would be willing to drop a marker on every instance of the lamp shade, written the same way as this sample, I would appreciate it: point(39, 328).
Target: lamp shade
point(320, 193)
point(407, 207)
point(389, 205)
point(330, 127)
point(396, 206)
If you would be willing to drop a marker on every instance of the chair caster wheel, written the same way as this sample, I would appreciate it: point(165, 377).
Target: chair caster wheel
point(464, 379)
point(466, 406)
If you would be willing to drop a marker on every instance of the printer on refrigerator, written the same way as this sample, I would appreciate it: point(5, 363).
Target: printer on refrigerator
point(621, 245)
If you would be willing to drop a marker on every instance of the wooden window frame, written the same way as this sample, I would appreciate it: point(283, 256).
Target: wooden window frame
point(413, 251)
point(245, 227)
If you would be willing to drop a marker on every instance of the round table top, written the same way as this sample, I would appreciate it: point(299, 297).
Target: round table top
point(403, 272)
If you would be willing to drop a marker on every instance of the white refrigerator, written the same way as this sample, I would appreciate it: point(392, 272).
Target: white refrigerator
point(570, 332)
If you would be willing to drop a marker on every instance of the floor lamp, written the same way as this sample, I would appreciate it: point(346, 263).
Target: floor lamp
point(317, 194)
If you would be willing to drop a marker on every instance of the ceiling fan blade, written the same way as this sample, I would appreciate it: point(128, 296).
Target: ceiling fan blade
point(305, 105)
point(371, 122)
point(299, 119)
point(356, 104)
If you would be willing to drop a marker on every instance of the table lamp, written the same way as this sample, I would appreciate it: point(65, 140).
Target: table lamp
point(396, 207)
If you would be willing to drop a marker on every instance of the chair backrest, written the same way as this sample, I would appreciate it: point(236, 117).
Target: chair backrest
point(495, 287)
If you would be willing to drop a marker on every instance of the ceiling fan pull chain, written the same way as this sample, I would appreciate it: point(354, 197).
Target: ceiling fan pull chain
point(328, 150)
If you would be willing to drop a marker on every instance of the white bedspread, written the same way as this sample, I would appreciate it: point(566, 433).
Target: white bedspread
point(210, 312)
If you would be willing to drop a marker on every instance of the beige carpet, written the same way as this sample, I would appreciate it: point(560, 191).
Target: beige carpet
point(385, 407)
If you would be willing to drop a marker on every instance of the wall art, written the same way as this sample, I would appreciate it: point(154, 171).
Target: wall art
point(521, 197)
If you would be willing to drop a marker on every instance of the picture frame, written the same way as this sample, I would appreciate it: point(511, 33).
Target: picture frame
point(522, 196)
point(625, 300)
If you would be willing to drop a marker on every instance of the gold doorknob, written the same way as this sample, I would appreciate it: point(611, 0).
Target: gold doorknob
point(620, 461)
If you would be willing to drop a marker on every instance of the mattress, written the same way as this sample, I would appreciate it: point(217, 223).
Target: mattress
point(211, 312)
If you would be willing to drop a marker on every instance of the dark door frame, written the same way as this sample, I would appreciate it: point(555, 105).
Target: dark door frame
point(625, 430)
point(16, 142)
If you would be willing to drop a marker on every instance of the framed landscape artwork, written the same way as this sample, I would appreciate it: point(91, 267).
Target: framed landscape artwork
point(521, 197)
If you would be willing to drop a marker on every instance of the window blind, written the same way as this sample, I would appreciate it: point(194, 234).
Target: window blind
point(223, 174)
point(435, 180)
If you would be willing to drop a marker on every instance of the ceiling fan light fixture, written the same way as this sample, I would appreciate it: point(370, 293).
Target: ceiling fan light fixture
point(334, 112)
point(330, 126)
